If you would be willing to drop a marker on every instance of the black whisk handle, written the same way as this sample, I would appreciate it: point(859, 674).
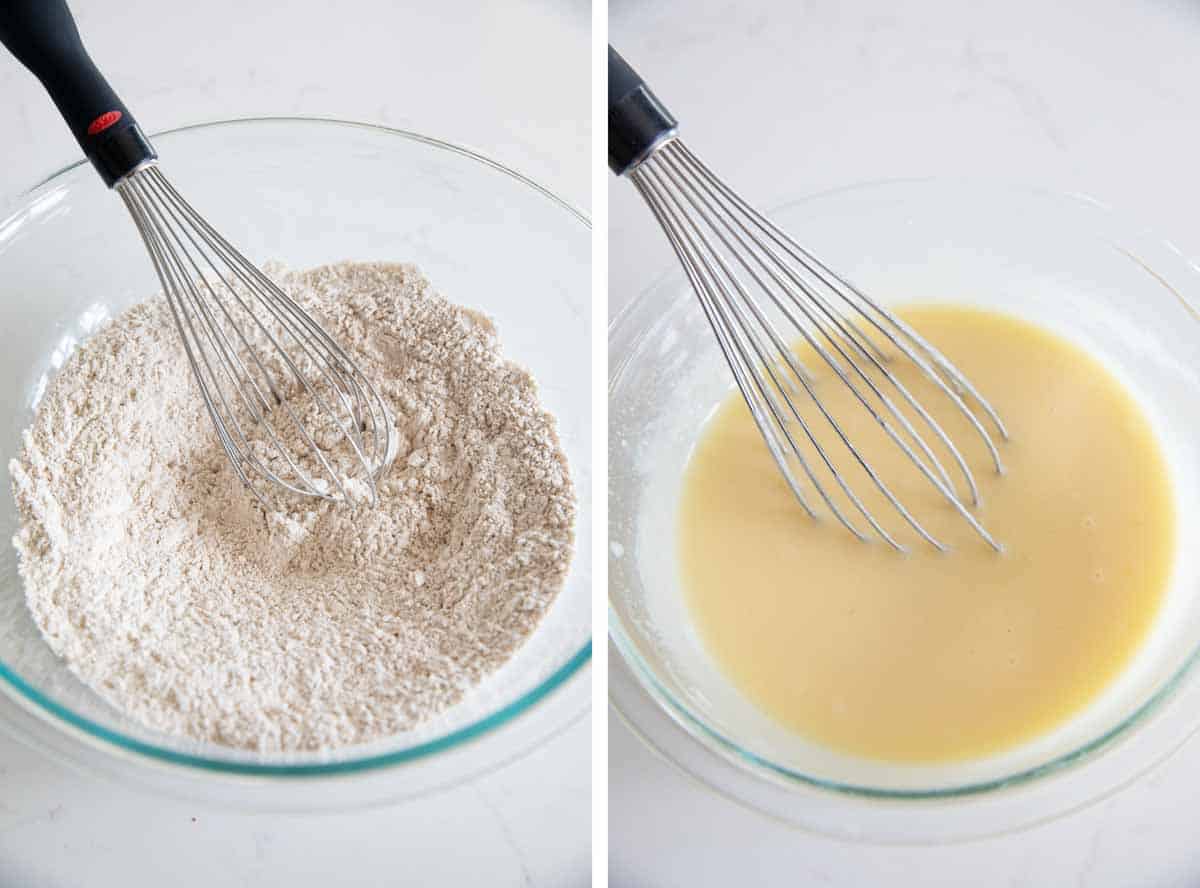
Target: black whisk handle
point(637, 121)
point(43, 37)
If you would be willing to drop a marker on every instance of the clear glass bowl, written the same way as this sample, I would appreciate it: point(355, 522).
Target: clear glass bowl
point(308, 192)
point(1065, 262)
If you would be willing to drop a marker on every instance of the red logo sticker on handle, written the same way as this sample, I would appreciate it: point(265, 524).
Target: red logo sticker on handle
point(103, 122)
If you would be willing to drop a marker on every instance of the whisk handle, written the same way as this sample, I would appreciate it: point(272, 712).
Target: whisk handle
point(637, 121)
point(43, 37)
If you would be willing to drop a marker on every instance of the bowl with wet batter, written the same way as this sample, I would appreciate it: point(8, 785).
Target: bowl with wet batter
point(815, 670)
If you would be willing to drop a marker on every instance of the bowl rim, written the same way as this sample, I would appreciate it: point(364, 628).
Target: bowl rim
point(116, 742)
point(763, 767)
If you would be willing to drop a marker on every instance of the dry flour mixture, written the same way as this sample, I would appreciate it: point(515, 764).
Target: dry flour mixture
point(170, 590)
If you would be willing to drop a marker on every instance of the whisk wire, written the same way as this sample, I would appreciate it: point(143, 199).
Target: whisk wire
point(734, 355)
point(706, 221)
point(198, 269)
point(883, 321)
point(166, 276)
point(744, 341)
point(235, 261)
point(232, 363)
point(252, 278)
point(322, 349)
point(181, 290)
point(707, 212)
point(785, 352)
point(845, 326)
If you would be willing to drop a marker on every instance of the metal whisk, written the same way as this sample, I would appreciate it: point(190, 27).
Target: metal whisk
point(762, 292)
point(287, 402)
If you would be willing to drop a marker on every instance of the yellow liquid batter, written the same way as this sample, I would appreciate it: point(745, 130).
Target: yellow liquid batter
point(933, 657)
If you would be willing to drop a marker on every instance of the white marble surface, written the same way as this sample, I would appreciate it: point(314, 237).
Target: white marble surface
point(786, 98)
point(508, 79)
point(1099, 97)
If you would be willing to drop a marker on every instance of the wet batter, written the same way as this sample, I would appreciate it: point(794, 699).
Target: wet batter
point(926, 656)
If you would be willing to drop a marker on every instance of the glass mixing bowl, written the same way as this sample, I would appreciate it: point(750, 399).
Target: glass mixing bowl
point(1065, 262)
point(308, 192)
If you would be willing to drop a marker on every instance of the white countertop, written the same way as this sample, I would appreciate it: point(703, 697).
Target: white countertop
point(1101, 97)
point(455, 69)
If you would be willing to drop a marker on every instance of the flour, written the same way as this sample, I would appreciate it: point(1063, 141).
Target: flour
point(183, 601)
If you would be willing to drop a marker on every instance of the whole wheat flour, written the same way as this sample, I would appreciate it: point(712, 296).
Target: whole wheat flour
point(170, 590)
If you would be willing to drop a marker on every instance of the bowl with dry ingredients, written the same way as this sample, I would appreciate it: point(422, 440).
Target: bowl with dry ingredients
point(153, 612)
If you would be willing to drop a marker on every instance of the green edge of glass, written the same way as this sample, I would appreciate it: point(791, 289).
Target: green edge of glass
point(471, 731)
point(697, 727)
